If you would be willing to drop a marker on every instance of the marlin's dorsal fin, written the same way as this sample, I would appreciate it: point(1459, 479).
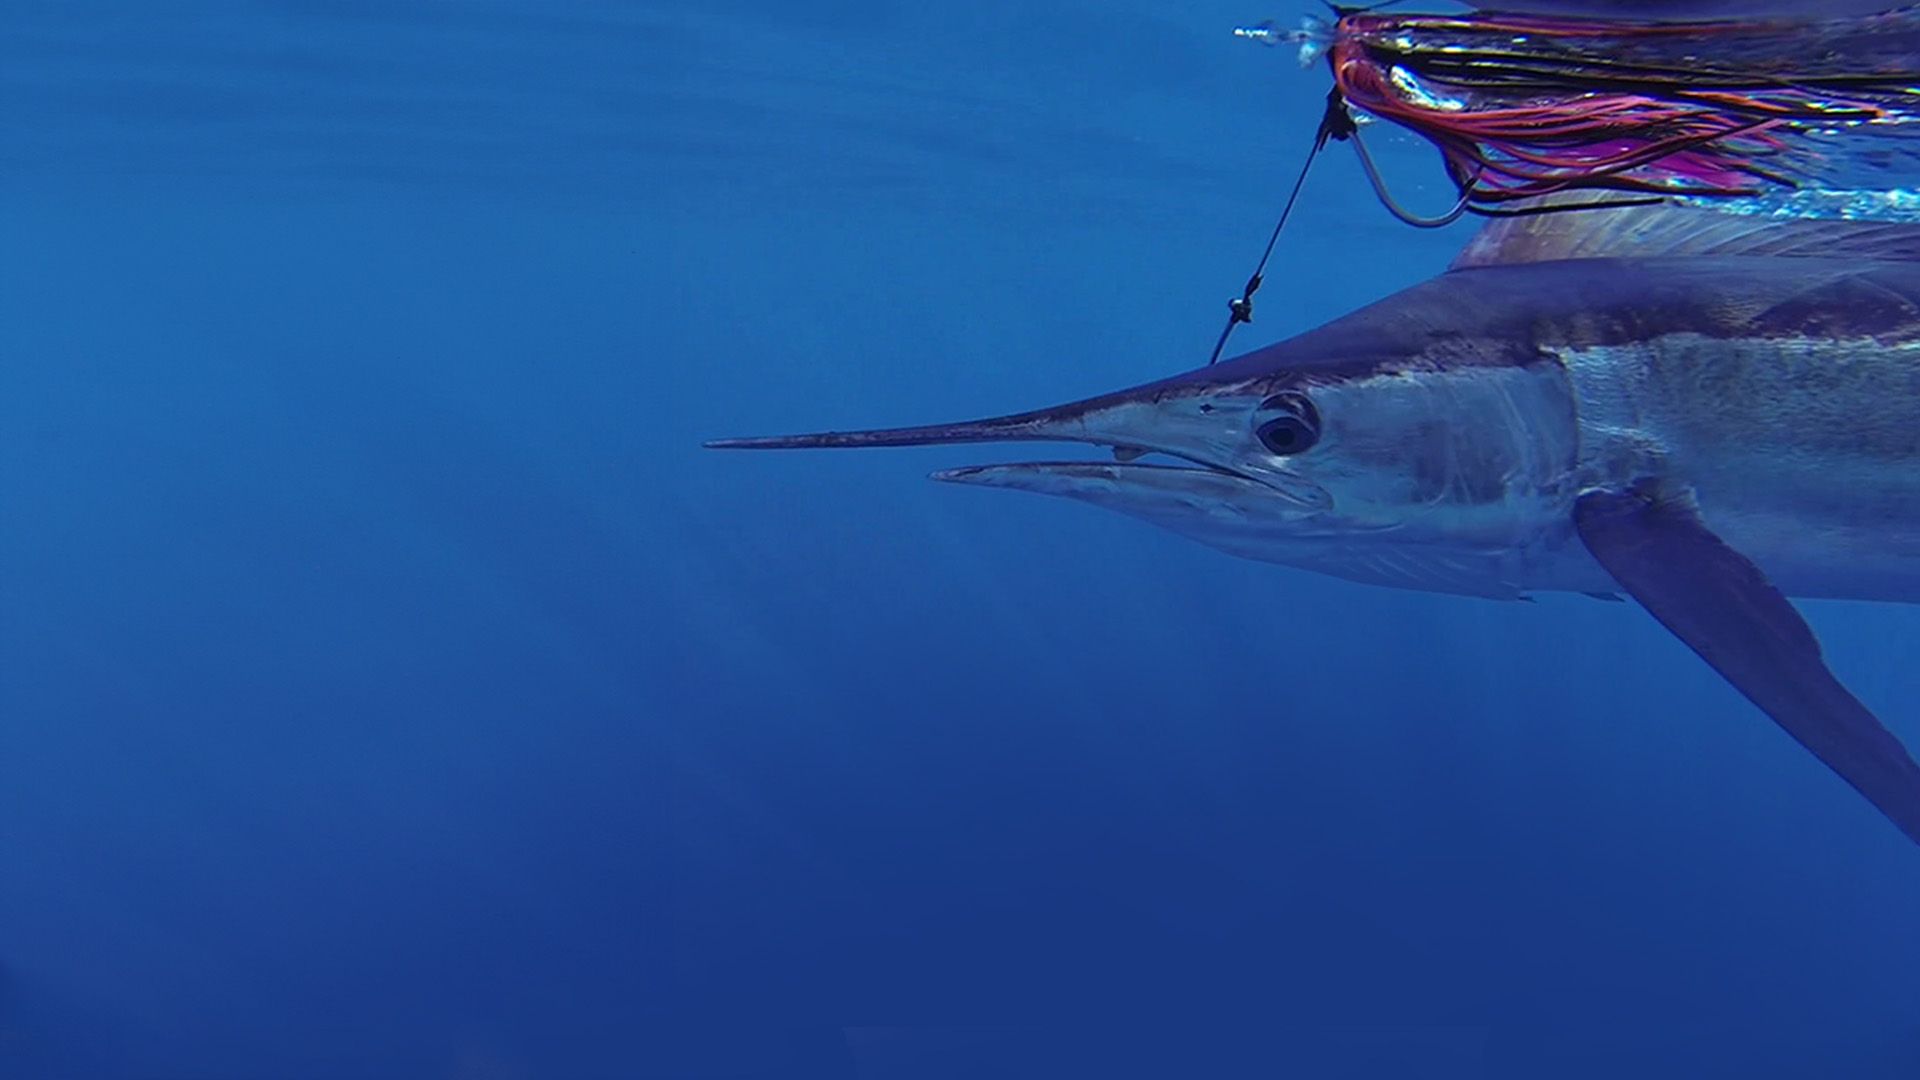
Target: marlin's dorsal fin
point(1666, 231)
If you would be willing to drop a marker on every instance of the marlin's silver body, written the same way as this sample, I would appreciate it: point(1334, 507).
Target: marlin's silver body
point(1798, 437)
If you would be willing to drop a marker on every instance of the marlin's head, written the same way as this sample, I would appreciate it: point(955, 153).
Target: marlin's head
point(1427, 463)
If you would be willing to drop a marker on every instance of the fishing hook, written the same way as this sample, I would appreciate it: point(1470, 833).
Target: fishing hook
point(1393, 207)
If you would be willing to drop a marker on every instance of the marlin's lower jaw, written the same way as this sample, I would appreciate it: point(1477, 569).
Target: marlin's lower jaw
point(1143, 488)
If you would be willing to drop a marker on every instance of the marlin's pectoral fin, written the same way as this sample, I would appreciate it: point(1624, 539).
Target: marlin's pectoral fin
point(1725, 609)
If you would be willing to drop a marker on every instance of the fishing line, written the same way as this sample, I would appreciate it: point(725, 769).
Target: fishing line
point(1336, 124)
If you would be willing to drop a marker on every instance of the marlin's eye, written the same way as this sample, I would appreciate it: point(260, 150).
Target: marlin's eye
point(1288, 424)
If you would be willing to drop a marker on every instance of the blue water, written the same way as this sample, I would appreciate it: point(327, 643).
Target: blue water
point(392, 687)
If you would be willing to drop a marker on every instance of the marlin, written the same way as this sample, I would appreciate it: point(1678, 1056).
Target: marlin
point(1706, 412)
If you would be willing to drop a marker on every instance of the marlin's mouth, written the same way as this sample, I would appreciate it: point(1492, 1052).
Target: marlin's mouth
point(1197, 500)
point(1196, 485)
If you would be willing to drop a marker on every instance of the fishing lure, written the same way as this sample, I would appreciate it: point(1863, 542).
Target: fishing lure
point(1522, 106)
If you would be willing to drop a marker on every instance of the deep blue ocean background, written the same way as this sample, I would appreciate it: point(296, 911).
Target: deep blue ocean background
point(390, 686)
